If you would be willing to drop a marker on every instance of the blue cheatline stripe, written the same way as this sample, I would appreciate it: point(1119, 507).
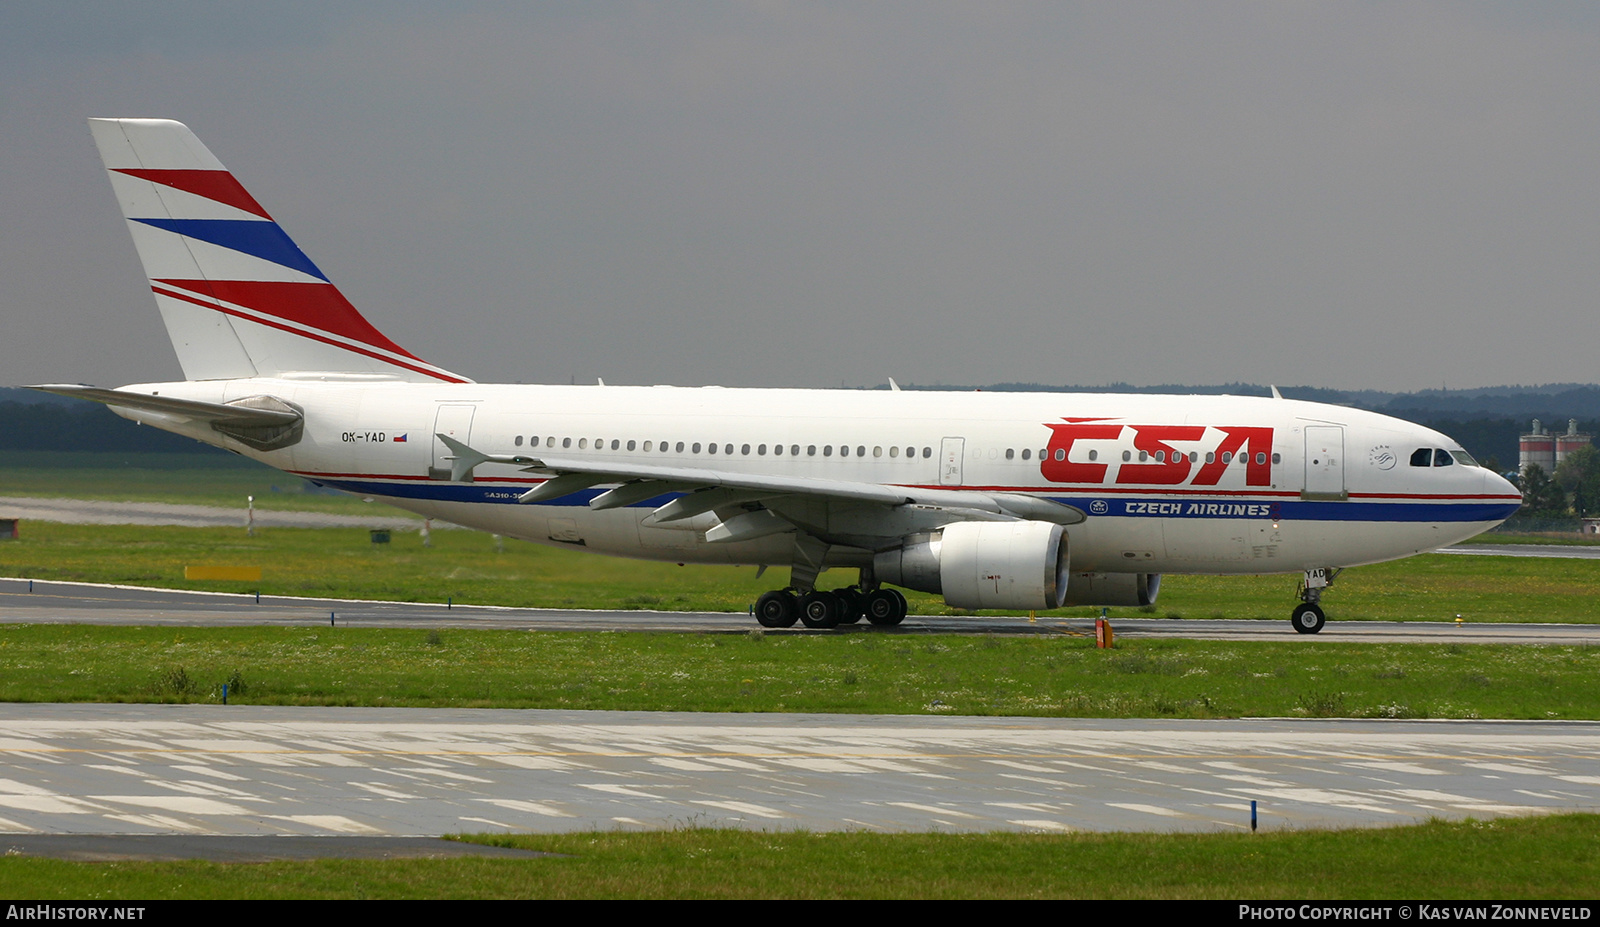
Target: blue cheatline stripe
point(1296, 510)
point(253, 237)
point(1286, 510)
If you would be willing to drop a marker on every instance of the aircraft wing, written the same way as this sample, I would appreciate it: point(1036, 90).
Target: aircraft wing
point(741, 498)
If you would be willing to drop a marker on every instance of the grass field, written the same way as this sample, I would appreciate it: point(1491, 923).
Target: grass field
point(172, 478)
point(1538, 858)
point(1059, 676)
point(466, 567)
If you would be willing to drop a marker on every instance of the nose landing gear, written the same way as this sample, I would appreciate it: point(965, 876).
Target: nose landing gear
point(1308, 617)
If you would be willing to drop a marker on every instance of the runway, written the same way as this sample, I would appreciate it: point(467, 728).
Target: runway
point(88, 603)
point(102, 512)
point(192, 769)
point(1560, 551)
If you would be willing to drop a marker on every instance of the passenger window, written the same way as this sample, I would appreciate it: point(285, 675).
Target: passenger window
point(566, 442)
point(827, 450)
point(518, 441)
point(631, 444)
point(745, 450)
point(1027, 453)
point(1422, 457)
point(1442, 458)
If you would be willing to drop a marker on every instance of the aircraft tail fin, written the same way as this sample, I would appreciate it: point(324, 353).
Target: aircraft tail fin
point(238, 297)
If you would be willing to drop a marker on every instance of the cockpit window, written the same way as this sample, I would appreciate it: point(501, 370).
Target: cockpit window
point(1463, 458)
point(1422, 457)
point(1442, 458)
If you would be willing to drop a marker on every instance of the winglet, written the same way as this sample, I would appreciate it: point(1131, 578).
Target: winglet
point(463, 459)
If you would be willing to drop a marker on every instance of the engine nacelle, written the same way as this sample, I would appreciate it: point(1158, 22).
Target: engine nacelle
point(983, 564)
point(1114, 589)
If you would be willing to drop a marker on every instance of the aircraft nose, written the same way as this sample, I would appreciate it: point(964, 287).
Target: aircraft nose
point(1498, 484)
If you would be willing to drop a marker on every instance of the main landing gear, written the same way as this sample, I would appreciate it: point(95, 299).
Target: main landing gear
point(1307, 617)
point(781, 608)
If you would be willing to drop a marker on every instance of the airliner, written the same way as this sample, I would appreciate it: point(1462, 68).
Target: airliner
point(1010, 501)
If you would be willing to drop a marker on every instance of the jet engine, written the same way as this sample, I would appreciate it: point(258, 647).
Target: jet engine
point(1114, 589)
point(983, 564)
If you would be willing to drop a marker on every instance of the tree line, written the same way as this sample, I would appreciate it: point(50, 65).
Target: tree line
point(1573, 490)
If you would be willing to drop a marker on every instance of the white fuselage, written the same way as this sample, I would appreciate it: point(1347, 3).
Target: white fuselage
point(1177, 484)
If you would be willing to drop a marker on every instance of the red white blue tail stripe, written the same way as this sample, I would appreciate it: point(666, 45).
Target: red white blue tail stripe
point(239, 297)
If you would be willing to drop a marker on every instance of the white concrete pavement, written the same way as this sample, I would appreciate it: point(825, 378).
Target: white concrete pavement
point(211, 769)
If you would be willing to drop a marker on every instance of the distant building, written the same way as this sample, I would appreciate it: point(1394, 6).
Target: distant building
point(1545, 450)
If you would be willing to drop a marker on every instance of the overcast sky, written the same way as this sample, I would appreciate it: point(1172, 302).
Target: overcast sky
point(1387, 195)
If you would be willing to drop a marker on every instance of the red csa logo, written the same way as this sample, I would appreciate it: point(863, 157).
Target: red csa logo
point(1164, 465)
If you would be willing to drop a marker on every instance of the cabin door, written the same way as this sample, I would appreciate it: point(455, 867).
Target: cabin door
point(951, 450)
point(1325, 462)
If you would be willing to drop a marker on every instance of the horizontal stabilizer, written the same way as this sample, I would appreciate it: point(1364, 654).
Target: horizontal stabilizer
point(265, 423)
point(214, 412)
